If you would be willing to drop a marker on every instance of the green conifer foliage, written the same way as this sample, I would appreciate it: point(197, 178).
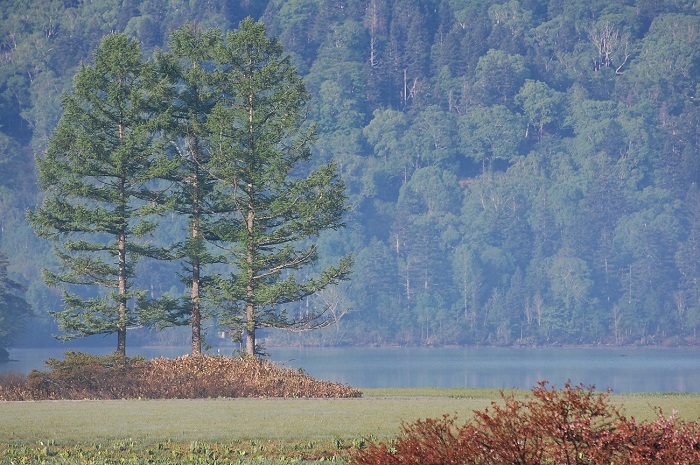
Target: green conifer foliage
point(99, 202)
point(190, 101)
point(260, 148)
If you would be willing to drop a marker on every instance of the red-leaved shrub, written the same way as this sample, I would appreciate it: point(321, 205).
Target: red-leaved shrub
point(572, 426)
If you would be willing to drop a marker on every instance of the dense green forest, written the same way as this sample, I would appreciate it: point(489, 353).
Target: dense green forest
point(521, 172)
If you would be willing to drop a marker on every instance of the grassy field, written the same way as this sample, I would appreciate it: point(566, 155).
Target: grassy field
point(311, 428)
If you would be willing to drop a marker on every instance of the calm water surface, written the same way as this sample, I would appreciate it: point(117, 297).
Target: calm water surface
point(621, 369)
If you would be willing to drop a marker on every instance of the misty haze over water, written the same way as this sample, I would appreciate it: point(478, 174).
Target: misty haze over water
point(623, 370)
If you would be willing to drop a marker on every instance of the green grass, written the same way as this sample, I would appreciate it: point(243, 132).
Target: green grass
point(379, 414)
point(268, 428)
point(69, 422)
point(434, 392)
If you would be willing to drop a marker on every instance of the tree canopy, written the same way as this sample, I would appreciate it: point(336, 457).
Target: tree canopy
point(96, 174)
point(223, 125)
point(258, 144)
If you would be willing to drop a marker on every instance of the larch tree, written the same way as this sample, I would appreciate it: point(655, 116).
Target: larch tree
point(190, 102)
point(97, 175)
point(279, 204)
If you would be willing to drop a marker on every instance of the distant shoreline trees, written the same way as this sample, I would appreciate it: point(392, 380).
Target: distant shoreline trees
point(519, 173)
point(14, 309)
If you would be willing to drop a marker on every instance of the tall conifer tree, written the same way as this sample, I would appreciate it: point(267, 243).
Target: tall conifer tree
point(191, 100)
point(97, 174)
point(260, 146)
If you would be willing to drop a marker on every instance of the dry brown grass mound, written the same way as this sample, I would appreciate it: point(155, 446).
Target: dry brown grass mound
point(84, 376)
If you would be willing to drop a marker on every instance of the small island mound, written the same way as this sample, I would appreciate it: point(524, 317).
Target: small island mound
point(85, 376)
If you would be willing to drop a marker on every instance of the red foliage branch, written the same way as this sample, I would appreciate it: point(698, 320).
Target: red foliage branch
point(572, 426)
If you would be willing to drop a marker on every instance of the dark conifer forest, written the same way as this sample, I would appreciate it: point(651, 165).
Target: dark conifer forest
point(517, 172)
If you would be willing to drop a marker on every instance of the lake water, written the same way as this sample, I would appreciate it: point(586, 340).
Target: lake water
point(621, 369)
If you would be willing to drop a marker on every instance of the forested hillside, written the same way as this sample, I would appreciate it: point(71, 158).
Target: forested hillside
point(521, 172)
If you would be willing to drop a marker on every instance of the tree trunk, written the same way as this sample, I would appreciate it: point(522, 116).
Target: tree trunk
point(250, 288)
point(250, 330)
point(121, 274)
point(250, 220)
point(196, 315)
point(122, 322)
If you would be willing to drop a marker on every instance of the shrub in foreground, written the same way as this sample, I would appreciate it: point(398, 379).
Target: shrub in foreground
point(84, 376)
point(573, 426)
